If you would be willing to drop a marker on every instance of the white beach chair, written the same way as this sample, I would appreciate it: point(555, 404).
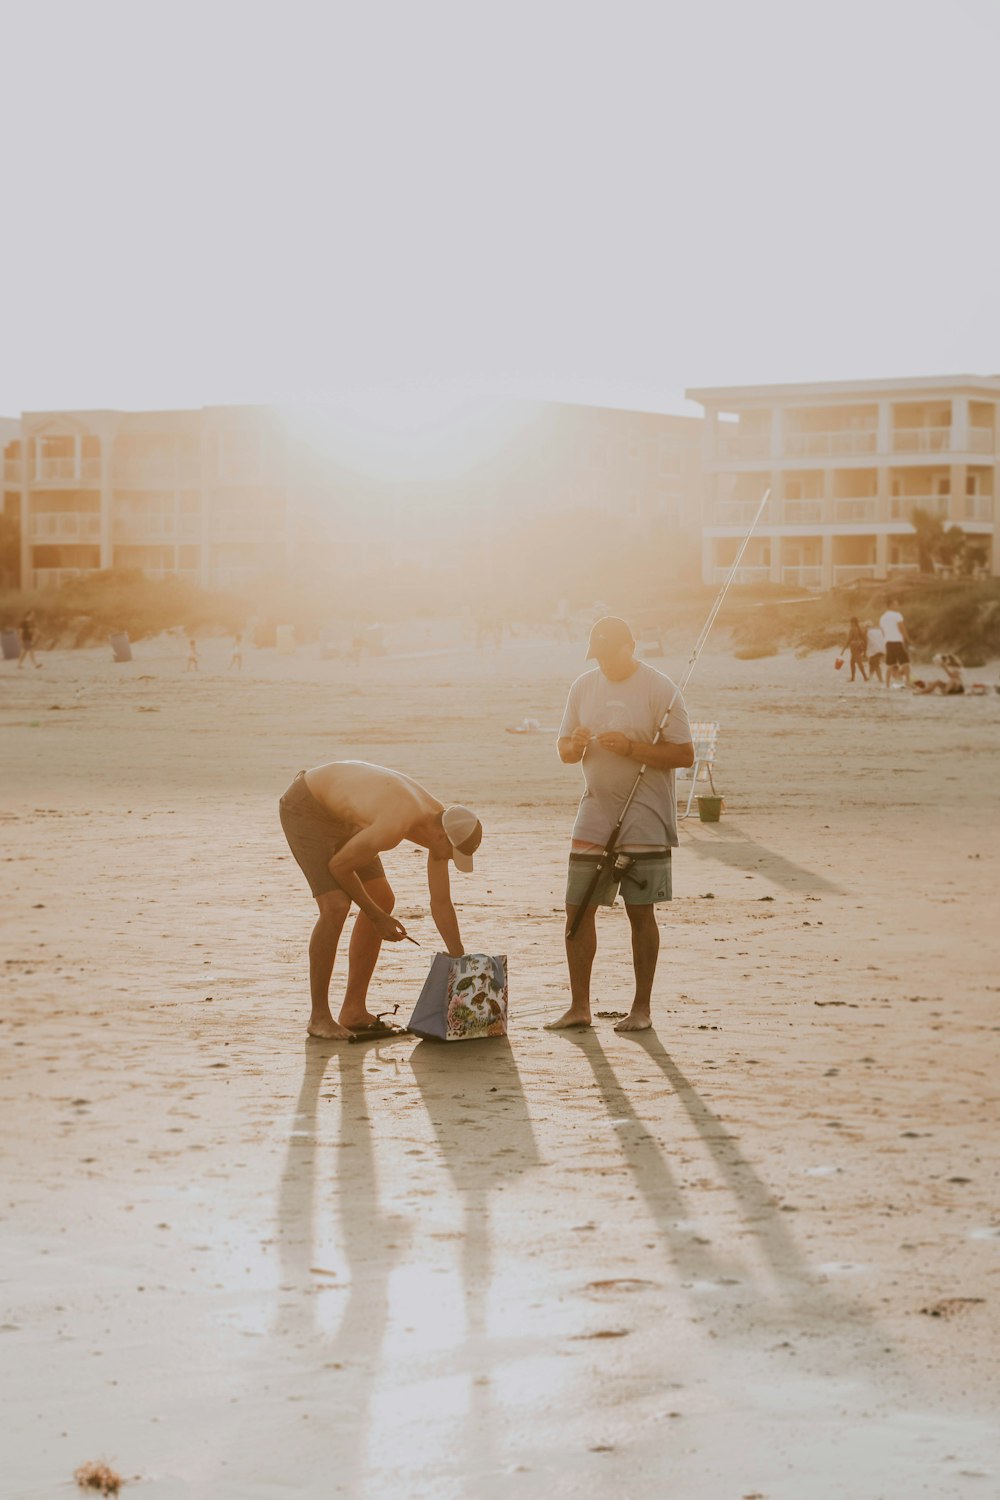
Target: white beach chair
point(705, 738)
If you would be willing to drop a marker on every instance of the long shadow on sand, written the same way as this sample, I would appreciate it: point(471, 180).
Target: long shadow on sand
point(476, 1105)
point(347, 1175)
point(728, 844)
point(802, 1298)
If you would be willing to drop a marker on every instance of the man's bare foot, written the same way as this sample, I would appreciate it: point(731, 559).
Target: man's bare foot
point(636, 1020)
point(354, 1022)
point(569, 1021)
point(329, 1030)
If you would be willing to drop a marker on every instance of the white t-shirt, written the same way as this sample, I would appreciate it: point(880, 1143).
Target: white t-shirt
point(634, 708)
point(876, 641)
point(889, 625)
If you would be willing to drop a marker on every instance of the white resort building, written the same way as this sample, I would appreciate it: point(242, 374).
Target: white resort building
point(209, 495)
point(848, 462)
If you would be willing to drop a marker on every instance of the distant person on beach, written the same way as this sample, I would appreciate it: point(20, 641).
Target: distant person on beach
point(953, 682)
point(192, 657)
point(338, 819)
point(874, 650)
point(897, 642)
point(236, 660)
point(28, 641)
point(611, 719)
point(857, 645)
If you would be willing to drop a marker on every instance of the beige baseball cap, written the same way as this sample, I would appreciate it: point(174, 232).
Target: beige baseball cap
point(461, 824)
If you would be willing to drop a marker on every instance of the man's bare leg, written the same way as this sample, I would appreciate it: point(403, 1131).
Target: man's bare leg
point(645, 951)
point(362, 956)
point(580, 953)
point(333, 909)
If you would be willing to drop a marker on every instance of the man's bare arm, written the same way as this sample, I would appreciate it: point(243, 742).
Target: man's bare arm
point(361, 850)
point(573, 747)
point(442, 908)
point(664, 756)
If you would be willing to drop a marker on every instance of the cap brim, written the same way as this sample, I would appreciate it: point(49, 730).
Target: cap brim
point(463, 862)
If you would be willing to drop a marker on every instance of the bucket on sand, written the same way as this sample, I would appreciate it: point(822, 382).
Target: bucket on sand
point(709, 809)
point(120, 646)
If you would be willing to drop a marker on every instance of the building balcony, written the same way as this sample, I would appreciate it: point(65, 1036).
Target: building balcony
point(744, 574)
point(156, 529)
point(803, 513)
point(67, 471)
point(856, 509)
point(64, 526)
point(921, 440)
point(804, 576)
point(13, 470)
point(734, 512)
point(980, 507)
point(850, 444)
point(736, 446)
point(903, 506)
point(981, 440)
point(54, 578)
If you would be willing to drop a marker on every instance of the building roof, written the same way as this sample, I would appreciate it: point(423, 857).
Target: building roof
point(921, 385)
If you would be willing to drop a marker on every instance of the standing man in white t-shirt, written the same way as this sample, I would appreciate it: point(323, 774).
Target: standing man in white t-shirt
point(612, 715)
point(897, 643)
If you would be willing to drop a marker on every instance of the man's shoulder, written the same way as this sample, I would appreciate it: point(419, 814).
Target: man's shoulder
point(657, 680)
point(585, 679)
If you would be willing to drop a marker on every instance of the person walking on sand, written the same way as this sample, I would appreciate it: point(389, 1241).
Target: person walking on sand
point(28, 641)
point(338, 819)
point(857, 645)
point(236, 660)
point(897, 643)
point(192, 658)
point(874, 650)
point(611, 719)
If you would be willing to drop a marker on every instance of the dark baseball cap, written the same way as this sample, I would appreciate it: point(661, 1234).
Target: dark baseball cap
point(608, 634)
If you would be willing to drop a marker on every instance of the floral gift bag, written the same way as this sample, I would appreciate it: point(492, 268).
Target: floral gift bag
point(462, 998)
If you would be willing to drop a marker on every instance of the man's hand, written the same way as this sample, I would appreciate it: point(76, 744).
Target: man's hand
point(388, 928)
point(581, 738)
point(617, 743)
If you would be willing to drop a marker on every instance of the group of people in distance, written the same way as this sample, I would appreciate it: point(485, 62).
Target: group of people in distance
point(622, 717)
point(868, 646)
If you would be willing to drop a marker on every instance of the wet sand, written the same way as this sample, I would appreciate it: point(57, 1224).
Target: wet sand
point(754, 1253)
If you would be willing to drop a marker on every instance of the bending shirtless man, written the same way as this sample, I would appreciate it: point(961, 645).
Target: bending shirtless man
point(338, 819)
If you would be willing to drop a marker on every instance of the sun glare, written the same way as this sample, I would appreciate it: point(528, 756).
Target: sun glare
point(407, 434)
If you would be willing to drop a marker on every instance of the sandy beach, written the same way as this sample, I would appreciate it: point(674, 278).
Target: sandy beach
point(755, 1253)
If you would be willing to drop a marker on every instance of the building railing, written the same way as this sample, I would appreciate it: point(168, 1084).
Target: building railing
point(856, 509)
point(189, 573)
point(803, 512)
point(851, 572)
point(903, 506)
point(981, 440)
point(744, 575)
point(803, 576)
point(921, 439)
point(980, 507)
point(13, 470)
point(831, 444)
point(735, 512)
point(87, 470)
point(54, 578)
point(64, 526)
point(742, 445)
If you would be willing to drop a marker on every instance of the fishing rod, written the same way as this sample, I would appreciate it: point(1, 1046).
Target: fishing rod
point(608, 855)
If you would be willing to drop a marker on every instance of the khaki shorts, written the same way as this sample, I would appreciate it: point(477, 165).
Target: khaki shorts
point(314, 838)
point(646, 882)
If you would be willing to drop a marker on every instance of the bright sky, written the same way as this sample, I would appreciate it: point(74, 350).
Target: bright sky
point(228, 200)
